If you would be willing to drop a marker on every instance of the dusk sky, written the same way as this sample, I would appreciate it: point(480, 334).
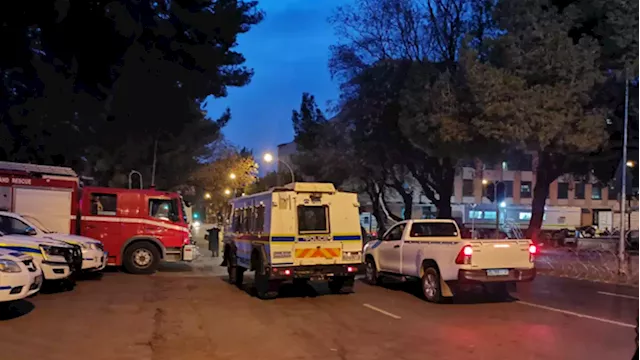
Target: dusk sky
point(289, 53)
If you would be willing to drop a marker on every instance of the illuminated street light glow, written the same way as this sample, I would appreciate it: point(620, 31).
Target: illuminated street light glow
point(232, 176)
point(268, 157)
point(485, 181)
point(631, 163)
point(227, 192)
point(503, 204)
point(207, 196)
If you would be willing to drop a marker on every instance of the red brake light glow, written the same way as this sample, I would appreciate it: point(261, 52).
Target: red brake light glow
point(287, 272)
point(351, 269)
point(464, 256)
point(533, 249)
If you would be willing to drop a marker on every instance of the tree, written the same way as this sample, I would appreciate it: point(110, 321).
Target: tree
point(408, 44)
point(140, 81)
point(231, 173)
point(537, 86)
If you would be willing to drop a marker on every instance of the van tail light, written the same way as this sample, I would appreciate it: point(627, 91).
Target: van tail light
point(533, 250)
point(464, 256)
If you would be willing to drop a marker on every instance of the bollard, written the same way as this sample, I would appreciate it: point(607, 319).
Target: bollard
point(214, 243)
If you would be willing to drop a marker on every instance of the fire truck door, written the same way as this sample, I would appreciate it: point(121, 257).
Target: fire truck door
point(101, 223)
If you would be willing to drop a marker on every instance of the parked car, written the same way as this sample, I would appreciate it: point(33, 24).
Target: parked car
point(57, 259)
point(19, 276)
point(94, 258)
point(432, 251)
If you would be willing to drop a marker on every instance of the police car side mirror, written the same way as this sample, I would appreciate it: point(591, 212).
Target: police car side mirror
point(30, 232)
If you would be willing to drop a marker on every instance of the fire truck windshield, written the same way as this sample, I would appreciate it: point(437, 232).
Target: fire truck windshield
point(38, 224)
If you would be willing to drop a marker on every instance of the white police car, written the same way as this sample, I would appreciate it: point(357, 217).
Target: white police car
point(19, 276)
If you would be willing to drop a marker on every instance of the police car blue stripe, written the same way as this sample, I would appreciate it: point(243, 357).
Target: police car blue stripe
point(21, 249)
point(5, 287)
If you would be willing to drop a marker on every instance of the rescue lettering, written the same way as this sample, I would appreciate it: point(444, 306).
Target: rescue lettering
point(21, 181)
point(4, 180)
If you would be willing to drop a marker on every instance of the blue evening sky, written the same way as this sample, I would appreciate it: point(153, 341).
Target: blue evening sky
point(289, 52)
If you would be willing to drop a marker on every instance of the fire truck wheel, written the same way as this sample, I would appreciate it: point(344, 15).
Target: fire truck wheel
point(141, 258)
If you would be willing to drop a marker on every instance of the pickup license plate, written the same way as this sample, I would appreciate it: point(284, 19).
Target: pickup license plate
point(498, 272)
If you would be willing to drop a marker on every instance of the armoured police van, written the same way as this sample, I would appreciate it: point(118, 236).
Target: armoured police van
point(298, 232)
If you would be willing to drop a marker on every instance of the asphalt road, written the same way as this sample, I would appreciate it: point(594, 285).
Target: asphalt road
point(181, 314)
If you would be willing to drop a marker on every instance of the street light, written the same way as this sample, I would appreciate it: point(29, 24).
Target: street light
point(227, 192)
point(232, 176)
point(269, 158)
point(207, 196)
point(485, 182)
point(631, 163)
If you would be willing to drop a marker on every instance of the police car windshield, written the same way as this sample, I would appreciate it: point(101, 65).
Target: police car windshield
point(38, 224)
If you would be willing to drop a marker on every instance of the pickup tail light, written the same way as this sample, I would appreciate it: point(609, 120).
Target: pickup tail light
point(533, 250)
point(464, 256)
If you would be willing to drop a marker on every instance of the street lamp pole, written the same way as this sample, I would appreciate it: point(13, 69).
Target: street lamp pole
point(623, 189)
point(293, 177)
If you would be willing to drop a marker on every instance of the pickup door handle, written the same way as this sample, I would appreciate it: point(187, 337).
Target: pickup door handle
point(396, 246)
point(90, 226)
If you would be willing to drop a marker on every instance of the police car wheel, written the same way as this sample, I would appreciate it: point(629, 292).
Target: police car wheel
point(141, 258)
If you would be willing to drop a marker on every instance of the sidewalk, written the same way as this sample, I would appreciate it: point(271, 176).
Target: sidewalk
point(204, 265)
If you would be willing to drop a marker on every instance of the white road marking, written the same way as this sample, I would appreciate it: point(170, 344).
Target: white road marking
point(618, 295)
point(382, 311)
point(584, 316)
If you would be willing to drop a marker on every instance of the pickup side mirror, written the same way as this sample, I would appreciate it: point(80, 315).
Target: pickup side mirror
point(30, 231)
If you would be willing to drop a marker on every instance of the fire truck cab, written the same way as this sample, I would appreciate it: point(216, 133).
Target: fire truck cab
point(137, 227)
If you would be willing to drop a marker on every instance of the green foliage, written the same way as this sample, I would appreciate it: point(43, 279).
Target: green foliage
point(140, 78)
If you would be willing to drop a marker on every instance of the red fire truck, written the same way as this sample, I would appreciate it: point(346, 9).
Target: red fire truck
point(138, 228)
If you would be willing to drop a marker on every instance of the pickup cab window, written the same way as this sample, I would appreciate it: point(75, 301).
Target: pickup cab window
point(395, 233)
point(435, 229)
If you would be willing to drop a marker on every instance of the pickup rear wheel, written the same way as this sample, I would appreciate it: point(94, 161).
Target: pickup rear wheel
point(141, 258)
point(371, 273)
point(431, 285)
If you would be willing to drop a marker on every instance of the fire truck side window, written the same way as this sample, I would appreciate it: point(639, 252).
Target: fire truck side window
point(103, 204)
point(162, 209)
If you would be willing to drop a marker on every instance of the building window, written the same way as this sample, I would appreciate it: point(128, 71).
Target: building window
point(578, 191)
point(596, 192)
point(490, 215)
point(525, 189)
point(524, 216)
point(563, 190)
point(467, 187)
point(508, 189)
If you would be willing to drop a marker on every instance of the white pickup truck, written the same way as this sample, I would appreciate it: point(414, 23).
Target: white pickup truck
point(433, 251)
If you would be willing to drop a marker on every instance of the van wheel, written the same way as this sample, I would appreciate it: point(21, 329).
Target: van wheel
point(141, 258)
point(265, 288)
point(371, 273)
point(342, 285)
point(430, 282)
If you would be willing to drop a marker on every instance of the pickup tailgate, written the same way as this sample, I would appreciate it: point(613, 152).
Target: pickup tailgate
point(500, 254)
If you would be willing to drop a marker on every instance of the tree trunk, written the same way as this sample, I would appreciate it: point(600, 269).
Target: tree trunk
point(546, 173)
point(408, 205)
point(445, 193)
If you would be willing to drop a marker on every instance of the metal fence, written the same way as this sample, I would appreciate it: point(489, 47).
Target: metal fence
point(594, 263)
